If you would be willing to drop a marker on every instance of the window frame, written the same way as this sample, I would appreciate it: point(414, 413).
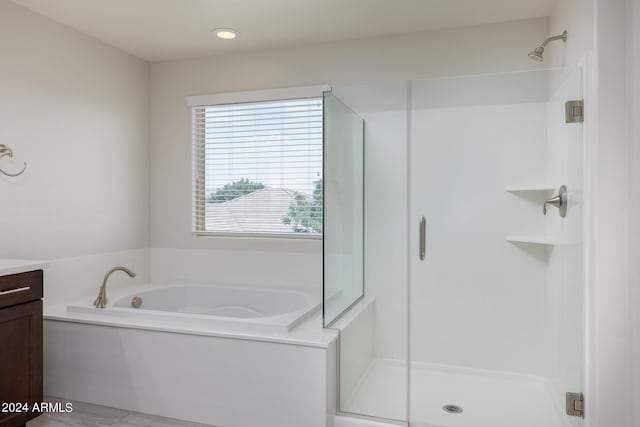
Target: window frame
point(197, 148)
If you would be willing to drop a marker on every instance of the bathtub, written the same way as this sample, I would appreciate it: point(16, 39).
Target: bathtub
point(201, 353)
point(209, 307)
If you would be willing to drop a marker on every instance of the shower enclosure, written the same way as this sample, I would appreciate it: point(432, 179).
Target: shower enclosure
point(471, 313)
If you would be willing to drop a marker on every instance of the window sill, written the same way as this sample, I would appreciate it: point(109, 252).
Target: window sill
point(290, 236)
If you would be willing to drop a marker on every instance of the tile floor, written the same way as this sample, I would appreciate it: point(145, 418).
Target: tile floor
point(87, 415)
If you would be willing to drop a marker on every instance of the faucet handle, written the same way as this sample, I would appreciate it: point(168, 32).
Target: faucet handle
point(560, 201)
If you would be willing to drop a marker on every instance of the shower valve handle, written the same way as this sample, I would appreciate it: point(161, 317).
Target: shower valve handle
point(559, 201)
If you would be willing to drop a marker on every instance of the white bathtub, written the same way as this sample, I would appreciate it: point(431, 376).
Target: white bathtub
point(210, 307)
point(201, 353)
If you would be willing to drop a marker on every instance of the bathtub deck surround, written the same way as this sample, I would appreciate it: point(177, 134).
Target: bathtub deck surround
point(213, 380)
point(230, 348)
point(221, 309)
point(285, 341)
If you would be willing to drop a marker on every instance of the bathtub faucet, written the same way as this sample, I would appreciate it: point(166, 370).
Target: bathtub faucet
point(101, 301)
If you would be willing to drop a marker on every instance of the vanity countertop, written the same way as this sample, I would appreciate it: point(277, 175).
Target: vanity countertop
point(15, 266)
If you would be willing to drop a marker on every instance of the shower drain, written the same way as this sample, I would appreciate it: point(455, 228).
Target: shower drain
point(452, 409)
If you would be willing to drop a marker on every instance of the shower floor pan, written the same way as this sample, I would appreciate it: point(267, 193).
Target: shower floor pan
point(487, 399)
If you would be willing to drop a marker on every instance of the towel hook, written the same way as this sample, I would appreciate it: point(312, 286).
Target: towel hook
point(8, 152)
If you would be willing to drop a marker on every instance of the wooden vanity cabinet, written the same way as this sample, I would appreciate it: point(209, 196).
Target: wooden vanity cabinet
point(20, 347)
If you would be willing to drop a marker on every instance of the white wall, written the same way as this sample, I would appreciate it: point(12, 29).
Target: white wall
point(610, 401)
point(231, 267)
point(577, 17)
point(633, 100)
point(76, 111)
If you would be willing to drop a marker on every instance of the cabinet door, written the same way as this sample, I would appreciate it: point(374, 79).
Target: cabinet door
point(20, 360)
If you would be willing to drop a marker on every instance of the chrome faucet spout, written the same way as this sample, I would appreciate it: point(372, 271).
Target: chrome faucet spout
point(101, 300)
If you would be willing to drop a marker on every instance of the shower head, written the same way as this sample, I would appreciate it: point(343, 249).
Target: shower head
point(536, 54)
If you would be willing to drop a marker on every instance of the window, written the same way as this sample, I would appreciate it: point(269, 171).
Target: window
point(257, 167)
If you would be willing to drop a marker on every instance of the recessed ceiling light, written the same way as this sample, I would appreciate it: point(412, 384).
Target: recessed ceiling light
point(225, 33)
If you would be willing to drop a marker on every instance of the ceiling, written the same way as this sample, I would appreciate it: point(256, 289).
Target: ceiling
point(160, 30)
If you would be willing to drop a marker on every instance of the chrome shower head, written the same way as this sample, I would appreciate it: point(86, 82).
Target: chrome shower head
point(536, 54)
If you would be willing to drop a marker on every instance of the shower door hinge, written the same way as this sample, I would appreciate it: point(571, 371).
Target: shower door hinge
point(575, 404)
point(574, 111)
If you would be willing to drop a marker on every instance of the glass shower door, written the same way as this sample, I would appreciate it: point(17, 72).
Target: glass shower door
point(343, 208)
point(495, 285)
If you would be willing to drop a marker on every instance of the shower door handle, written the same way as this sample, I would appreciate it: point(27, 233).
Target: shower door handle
point(423, 237)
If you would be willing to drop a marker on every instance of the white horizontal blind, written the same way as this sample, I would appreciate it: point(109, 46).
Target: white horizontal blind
point(257, 168)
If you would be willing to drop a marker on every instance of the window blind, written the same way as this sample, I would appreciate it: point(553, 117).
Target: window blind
point(257, 168)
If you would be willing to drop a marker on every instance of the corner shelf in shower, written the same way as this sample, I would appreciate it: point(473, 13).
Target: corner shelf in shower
point(538, 240)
